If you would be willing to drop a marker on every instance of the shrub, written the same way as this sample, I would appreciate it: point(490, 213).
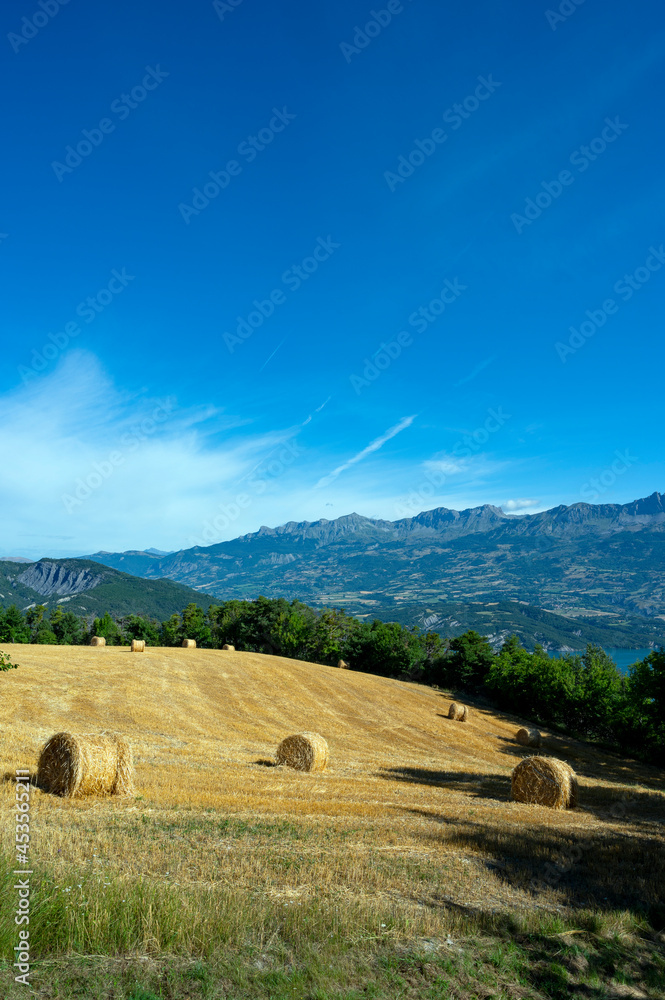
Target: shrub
point(6, 663)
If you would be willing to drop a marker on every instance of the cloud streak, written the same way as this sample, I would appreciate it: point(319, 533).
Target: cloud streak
point(373, 446)
point(476, 371)
point(271, 356)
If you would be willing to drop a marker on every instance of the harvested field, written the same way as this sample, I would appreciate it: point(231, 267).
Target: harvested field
point(411, 820)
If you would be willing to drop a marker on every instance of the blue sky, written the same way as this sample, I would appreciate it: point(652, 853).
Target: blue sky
point(267, 262)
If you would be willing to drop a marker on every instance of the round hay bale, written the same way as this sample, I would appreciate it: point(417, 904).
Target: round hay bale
point(98, 640)
point(227, 646)
point(304, 752)
point(87, 764)
point(458, 712)
point(545, 781)
point(528, 737)
point(189, 643)
point(342, 664)
point(138, 645)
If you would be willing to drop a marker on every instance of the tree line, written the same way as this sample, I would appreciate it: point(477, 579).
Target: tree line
point(583, 695)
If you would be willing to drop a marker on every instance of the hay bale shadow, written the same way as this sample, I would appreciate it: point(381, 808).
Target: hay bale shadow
point(263, 762)
point(635, 807)
point(586, 868)
point(483, 786)
point(516, 749)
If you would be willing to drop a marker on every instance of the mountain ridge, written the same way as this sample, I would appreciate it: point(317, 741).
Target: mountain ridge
point(484, 518)
point(586, 561)
point(88, 588)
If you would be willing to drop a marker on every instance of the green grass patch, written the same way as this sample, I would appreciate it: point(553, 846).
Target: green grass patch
point(111, 937)
point(267, 956)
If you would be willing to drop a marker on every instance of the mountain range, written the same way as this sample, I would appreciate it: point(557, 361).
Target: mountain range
point(597, 567)
point(562, 577)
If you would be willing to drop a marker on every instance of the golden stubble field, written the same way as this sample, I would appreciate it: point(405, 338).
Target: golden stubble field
point(412, 816)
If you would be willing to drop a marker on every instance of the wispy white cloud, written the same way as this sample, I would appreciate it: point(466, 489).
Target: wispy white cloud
point(85, 460)
point(88, 465)
point(471, 469)
point(448, 465)
point(371, 447)
point(518, 505)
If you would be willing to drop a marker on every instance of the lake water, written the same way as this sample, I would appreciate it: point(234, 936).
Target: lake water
point(623, 658)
